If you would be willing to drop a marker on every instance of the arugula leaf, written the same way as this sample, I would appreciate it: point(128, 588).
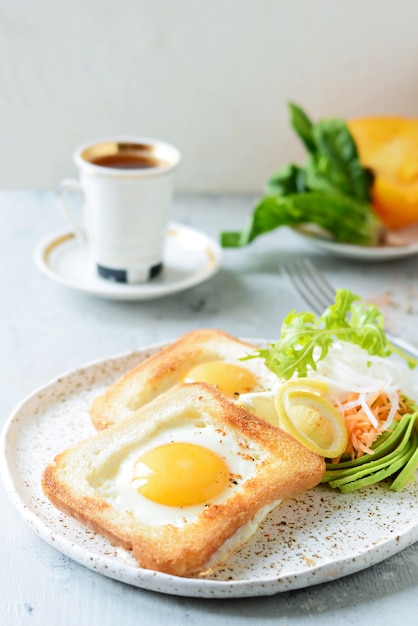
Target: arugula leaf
point(332, 191)
point(305, 339)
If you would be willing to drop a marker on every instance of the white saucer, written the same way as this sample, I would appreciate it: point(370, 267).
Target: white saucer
point(363, 253)
point(190, 257)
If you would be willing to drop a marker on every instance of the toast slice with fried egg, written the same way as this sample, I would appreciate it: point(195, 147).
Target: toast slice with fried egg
point(184, 482)
point(203, 355)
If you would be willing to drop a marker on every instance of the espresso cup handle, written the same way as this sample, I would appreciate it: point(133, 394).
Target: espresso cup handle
point(66, 186)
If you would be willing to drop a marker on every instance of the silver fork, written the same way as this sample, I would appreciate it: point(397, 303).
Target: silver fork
point(318, 293)
point(310, 284)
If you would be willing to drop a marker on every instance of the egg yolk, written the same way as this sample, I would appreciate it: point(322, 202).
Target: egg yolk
point(180, 474)
point(231, 380)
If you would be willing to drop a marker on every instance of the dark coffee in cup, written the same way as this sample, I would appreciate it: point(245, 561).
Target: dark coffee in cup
point(126, 161)
point(124, 156)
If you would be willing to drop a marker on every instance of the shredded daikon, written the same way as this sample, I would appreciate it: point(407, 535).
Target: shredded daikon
point(365, 389)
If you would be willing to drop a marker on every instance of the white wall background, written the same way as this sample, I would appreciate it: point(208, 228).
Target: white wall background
point(211, 76)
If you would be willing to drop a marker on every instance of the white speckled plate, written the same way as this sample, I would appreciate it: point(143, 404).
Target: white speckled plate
point(190, 257)
point(317, 537)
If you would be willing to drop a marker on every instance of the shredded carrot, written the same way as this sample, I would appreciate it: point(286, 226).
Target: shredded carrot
point(361, 432)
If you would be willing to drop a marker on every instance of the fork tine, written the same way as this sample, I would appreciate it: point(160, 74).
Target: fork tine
point(311, 285)
point(326, 293)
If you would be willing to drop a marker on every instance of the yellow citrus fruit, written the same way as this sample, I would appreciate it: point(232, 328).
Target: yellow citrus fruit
point(260, 404)
point(309, 417)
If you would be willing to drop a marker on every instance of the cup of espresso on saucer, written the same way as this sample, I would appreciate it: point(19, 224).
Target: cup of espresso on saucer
point(125, 186)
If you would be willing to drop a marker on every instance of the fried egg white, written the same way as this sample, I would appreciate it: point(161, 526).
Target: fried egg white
point(184, 467)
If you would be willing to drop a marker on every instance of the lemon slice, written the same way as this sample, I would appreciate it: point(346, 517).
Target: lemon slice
point(261, 404)
point(310, 418)
point(314, 385)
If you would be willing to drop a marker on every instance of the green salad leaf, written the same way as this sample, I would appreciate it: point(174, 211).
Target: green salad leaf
point(331, 192)
point(305, 339)
point(303, 127)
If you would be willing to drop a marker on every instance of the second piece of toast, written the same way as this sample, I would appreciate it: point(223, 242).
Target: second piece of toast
point(172, 365)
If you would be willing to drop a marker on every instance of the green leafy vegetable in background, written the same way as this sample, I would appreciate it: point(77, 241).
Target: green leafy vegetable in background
point(332, 191)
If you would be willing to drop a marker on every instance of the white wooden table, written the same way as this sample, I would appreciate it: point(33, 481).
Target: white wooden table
point(46, 329)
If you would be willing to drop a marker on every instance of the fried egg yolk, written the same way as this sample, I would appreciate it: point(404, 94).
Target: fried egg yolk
point(231, 380)
point(180, 474)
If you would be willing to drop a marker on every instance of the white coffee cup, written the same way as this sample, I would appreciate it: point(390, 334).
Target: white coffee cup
point(126, 184)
